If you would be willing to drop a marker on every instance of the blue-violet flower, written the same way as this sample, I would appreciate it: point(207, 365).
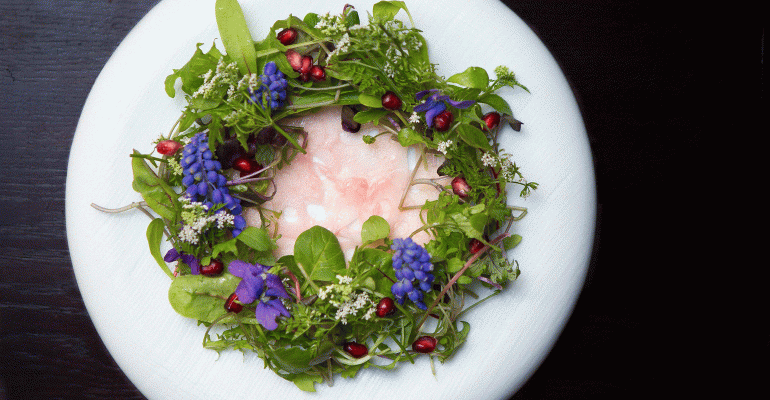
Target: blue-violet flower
point(435, 104)
point(204, 182)
point(272, 87)
point(173, 255)
point(412, 265)
point(263, 287)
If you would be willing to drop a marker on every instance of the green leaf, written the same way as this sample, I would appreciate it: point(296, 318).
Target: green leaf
point(318, 252)
point(473, 77)
point(511, 241)
point(370, 101)
point(307, 382)
point(235, 35)
point(256, 238)
point(409, 136)
point(474, 136)
point(387, 10)
point(154, 237)
point(191, 72)
point(496, 102)
point(371, 115)
point(201, 297)
point(228, 246)
point(157, 193)
point(454, 265)
point(374, 228)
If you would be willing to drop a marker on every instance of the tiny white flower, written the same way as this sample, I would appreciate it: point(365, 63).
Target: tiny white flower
point(414, 118)
point(443, 146)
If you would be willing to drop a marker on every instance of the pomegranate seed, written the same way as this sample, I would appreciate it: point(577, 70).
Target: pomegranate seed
point(318, 73)
point(442, 121)
point(391, 101)
point(304, 77)
point(294, 59)
point(424, 344)
point(385, 307)
point(492, 120)
point(305, 65)
point(356, 350)
point(231, 305)
point(475, 246)
point(214, 268)
point(246, 165)
point(460, 187)
point(168, 147)
point(287, 36)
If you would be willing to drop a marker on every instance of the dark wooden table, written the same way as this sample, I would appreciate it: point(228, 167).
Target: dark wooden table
point(653, 87)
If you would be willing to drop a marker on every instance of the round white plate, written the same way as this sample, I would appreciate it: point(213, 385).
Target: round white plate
point(126, 293)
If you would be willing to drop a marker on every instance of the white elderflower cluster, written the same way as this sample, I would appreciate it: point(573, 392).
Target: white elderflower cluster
point(346, 302)
point(175, 167)
point(225, 76)
point(343, 46)
point(247, 82)
point(196, 220)
point(509, 172)
point(444, 146)
point(330, 25)
point(414, 118)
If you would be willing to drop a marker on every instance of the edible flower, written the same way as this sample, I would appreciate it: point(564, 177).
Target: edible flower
point(435, 104)
point(413, 268)
point(263, 287)
point(173, 255)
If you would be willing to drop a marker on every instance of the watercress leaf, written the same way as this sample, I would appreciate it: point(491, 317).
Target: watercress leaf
point(256, 238)
point(228, 246)
point(387, 10)
point(496, 102)
point(473, 136)
point(157, 193)
point(454, 265)
point(473, 77)
point(318, 252)
point(371, 115)
point(235, 35)
point(370, 101)
point(374, 228)
point(293, 359)
point(409, 136)
point(201, 297)
point(154, 237)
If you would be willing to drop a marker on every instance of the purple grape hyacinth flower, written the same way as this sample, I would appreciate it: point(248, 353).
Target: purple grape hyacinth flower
point(413, 268)
point(173, 255)
point(435, 104)
point(263, 287)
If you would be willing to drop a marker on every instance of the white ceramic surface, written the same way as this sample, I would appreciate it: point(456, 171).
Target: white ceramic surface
point(126, 293)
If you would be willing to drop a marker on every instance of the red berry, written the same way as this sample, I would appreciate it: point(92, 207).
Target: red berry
point(424, 344)
point(231, 305)
point(475, 246)
point(460, 187)
point(492, 120)
point(246, 165)
point(385, 307)
point(442, 121)
point(305, 64)
point(304, 77)
point(391, 101)
point(287, 36)
point(294, 59)
point(168, 147)
point(356, 350)
point(318, 73)
point(214, 268)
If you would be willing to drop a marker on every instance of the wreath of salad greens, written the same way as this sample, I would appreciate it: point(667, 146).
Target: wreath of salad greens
point(314, 314)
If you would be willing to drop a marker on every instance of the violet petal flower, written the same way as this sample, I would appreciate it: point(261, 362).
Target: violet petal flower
point(268, 311)
point(264, 288)
point(173, 255)
point(435, 104)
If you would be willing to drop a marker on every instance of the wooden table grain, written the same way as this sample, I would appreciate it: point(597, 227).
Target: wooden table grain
point(643, 74)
